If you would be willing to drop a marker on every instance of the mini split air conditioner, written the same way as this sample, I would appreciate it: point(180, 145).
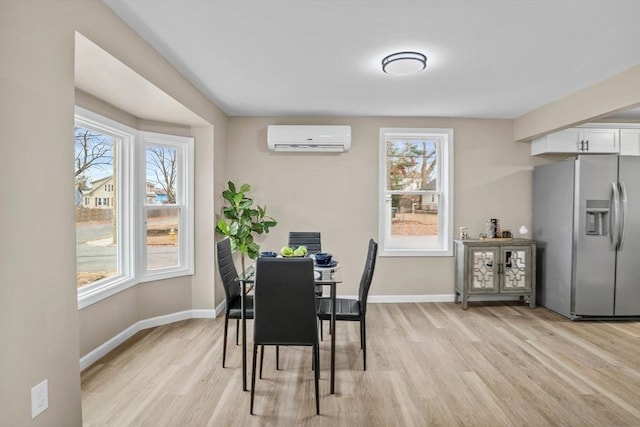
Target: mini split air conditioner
point(319, 139)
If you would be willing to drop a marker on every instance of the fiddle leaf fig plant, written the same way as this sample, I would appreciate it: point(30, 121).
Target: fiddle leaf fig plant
point(241, 220)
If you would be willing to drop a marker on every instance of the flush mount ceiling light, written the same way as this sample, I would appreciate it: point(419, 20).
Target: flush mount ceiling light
point(404, 63)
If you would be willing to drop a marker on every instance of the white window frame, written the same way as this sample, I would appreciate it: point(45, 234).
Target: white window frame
point(184, 204)
point(131, 190)
point(444, 244)
point(124, 141)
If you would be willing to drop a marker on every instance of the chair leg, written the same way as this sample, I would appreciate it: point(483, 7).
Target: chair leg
point(224, 343)
point(315, 361)
point(321, 330)
point(261, 359)
point(316, 377)
point(363, 339)
point(237, 330)
point(277, 357)
point(253, 377)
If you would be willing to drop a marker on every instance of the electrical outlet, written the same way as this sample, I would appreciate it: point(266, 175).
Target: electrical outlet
point(39, 398)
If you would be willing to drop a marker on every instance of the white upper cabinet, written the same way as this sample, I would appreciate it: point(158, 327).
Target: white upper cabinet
point(578, 140)
point(599, 141)
point(630, 142)
point(565, 141)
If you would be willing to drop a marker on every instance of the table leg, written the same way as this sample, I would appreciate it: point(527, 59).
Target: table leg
point(244, 338)
point(333, 337)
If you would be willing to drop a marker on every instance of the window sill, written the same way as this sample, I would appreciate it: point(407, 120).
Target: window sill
point(92, 295)
point(416, 252)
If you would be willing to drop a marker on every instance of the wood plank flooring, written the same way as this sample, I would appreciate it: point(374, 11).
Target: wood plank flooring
point(429, 364)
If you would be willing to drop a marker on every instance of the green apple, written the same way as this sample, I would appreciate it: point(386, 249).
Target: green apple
point(300, 251)
point(286, 251)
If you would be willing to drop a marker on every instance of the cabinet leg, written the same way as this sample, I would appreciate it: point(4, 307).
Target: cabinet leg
point(464, 302)
point(456, 298)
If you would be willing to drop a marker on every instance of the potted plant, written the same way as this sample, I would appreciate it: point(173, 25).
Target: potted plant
point(241, 220)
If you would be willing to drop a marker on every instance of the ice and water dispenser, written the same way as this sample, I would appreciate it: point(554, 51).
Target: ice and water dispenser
point(597, 218)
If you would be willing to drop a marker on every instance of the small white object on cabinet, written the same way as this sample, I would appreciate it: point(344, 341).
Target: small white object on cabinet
point(523, 230)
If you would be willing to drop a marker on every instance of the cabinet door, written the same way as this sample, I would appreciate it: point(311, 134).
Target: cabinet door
point(565, 141)
point(600, 140)
point(483, 271)
point(630, 142)
point(515, 268)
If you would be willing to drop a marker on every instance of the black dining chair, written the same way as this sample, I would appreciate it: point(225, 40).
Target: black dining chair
point(310, 239)
point(232, 295)
point(285, 310)
point(354, 310)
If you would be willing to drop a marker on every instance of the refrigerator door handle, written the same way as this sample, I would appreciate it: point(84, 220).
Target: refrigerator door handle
point(614, 216)
point(623, 214)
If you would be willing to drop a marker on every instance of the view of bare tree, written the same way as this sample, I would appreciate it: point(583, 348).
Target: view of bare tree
point(162, 163)
point(92, 149)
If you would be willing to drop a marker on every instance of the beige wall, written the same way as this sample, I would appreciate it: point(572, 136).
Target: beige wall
point(38, 308)
point(338, 194)
point(40, 330)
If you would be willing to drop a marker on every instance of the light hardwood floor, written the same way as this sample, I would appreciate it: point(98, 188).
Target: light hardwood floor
point(429, 364)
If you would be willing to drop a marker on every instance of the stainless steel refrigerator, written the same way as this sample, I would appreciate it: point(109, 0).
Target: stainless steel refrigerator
point(586, 222)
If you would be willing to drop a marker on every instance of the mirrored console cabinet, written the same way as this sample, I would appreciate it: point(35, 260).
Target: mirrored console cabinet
point(495, 267)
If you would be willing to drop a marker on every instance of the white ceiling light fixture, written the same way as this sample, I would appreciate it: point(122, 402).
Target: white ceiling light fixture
point(404, 63)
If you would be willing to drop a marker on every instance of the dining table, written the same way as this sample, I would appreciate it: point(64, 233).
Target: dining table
point(323, 276)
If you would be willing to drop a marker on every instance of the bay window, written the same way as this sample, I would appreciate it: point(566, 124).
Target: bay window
point(134, 206)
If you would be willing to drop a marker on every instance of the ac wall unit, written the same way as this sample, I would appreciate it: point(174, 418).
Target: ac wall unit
point(305, 138)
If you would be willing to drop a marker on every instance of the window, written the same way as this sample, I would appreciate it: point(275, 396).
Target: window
point(166, 195)
point(102, 201)
point(121, 239)
point(98, 256)
point(416, 197)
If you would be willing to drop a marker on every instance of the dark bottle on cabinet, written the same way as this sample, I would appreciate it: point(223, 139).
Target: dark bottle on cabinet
point(491, 228)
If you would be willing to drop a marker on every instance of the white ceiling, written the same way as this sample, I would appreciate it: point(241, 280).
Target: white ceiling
point(486, 58)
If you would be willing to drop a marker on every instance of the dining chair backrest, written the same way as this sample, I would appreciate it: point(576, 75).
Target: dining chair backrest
point(367, 275)
point(284, 302)
point(227, 270)
point(310, 239)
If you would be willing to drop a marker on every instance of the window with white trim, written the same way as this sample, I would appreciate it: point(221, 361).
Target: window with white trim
point(122, 240)
point(416, 192)
point(168, 218)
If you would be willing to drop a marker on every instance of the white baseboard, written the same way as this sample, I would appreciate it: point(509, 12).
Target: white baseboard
point(385, 299)
point(94, 355)
point(378, 299)
point(220, 308)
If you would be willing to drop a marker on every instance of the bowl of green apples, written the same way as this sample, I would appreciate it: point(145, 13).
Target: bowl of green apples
point(297, 251)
